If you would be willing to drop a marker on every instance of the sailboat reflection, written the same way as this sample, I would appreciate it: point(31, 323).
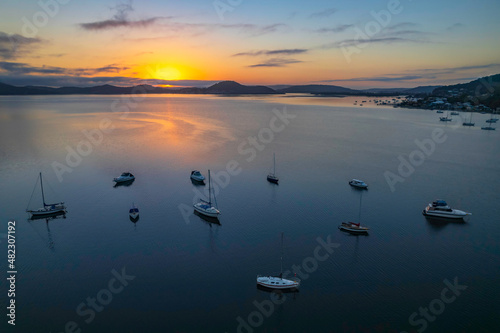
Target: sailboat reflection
point(209, 220)
point(50, 241)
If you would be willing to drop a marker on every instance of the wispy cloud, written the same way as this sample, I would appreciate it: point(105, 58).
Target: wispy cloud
point(455, 26)
point(337, 29)
point(378, 79)
point(271, 52)
point(323, 13)
point(276, 62)
point(121, 19)
point(78, 81)
point(397, 33)
point(17, 68)
point(14, 45)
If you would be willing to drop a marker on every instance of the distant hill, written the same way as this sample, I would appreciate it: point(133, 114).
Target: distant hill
point(485, 90)
point(225, 87)
point(318, 89)
point(231, 87)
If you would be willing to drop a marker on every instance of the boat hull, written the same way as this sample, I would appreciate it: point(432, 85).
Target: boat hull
point(206, 210)
point(354, 230)
point(450, 216)
point(273, 282)
point(44, 212)
point(272, 179)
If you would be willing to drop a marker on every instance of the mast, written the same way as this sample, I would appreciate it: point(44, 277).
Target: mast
point(274, 168)
point(209, 189)
point(281, 269)
point(41, 185)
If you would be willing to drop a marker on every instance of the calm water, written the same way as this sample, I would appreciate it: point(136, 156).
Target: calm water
point(194, 276)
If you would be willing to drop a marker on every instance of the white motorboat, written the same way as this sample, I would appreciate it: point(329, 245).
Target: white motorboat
point(124, 177)
point(278, 282)
point(134, 212)
point(47, 209)
point(205, 207)
point(197, 176)
point(354, 228)
point(271, 177)
point(358, 183)
point(440, 209)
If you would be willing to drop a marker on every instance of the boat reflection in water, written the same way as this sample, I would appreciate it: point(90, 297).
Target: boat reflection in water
point(55, 216)
point(126, 183)
point(207, 219)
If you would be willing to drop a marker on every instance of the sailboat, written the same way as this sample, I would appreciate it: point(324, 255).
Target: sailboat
point(470, 123)
point(205, 207)
point(490, 121)
point(355, 228)
point(48, 209)
point(278, 282)
point(447, 118)
point(272, 176)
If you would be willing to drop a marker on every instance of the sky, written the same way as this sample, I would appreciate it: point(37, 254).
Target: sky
point(351, 43)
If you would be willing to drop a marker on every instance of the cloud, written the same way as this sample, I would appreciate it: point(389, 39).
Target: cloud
point(378, 78)
point(339, 28)
point(121, 19)
point(455, 26)
point(14, 45)
point(112, 24)
point(384, 40)
point(397, 33)
point(271, 52)
point(77, 81)
point(276, 62)
point(323, 13)
point(17, 68)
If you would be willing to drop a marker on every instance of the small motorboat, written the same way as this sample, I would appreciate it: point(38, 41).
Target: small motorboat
point(440, 209)
point(358, 183)
point(134, 213)
point(354, 228)
point(197, 176)
point(125, 177)
point(455, 113)
point(439, 111)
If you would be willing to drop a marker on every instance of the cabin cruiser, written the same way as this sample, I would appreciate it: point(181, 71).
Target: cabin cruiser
point(125, 177)
point(197, 176)
point(358, 183)
point(440, 209)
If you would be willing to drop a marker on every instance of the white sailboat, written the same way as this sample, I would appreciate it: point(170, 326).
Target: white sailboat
point(278, 282)
point(272, 176)
point(47, 209)
point(469, 123)
point(205, 207)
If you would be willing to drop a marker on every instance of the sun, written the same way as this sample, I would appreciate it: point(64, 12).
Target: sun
point(168, 73)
